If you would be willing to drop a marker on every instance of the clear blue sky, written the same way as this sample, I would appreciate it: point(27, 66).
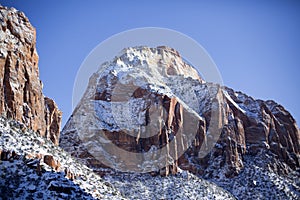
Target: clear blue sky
point(255, 44)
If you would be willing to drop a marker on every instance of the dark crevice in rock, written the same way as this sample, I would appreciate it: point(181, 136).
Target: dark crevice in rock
point(8, 97)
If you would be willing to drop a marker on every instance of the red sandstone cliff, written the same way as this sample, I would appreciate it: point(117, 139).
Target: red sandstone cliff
point(21, 96)
point(161, 115)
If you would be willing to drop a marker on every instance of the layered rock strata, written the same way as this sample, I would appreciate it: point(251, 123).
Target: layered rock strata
point(148, 110)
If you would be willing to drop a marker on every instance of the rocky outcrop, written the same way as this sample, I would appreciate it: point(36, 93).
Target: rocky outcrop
point(255, 128)
point(21, 96)
point(53, 120)
point(161, 115)
point(155, 120)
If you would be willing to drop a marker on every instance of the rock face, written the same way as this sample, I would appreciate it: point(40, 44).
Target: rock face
point(256, 127)
point(53, 120)
point(21, 96)
point(161, 115)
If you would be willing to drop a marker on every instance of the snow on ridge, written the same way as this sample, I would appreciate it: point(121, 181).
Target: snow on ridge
point(160, 70)
point(232, 101)
point(152, 61)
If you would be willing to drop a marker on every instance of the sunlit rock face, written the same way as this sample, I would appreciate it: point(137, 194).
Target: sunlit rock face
point(148, 110)
point(21, 96)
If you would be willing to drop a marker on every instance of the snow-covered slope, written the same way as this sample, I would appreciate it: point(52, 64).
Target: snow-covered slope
point(28, 171)
point(259, 179)
point(183, 185)
point(32, 167)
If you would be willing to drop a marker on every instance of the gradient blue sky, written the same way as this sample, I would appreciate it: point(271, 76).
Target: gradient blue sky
point(255, 44)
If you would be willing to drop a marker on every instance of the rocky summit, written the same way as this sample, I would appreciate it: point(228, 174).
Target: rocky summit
point(147, 127)
point(148, 110)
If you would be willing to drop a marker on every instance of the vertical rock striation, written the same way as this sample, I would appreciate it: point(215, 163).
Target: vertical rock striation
point(149, 100)
point(21, 96)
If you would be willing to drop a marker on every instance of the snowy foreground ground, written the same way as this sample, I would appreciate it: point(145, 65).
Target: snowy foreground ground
point(181, 186)
point(25, 175)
